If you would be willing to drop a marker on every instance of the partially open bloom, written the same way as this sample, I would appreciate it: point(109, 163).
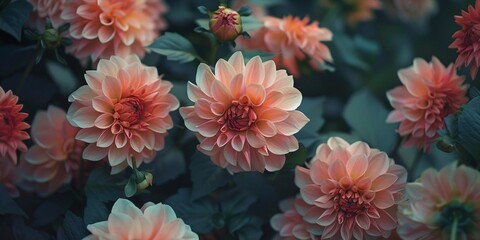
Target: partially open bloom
point(291, 225)
point(225, 24)
point(43, 9)
point(55, 157)
point(12, 127)
point(123, 112)
point(467, 39)
point(431, 92)
point(100, 29)
point(8, 177)
point(355, 10)
point(438, 201)
point(354, 189)
point(411, 10)
point(295, 39)
point(152, 222)
point(244, 115)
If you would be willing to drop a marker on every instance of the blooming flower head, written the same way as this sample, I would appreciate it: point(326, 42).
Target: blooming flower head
point(354, 189)
point(244, 115)
point(411, 10)
point(438, 200)
point(100, 29)
point(151, 222)
point(431, 91)
point(55, 157)
point(123, 112)
point(290, 224)
point(255, 42)
point(8, 177)
point(225, 24)
point(355, 10)
point(12, 127)
point(467, 39)
point(294, 39)
point(43, 9)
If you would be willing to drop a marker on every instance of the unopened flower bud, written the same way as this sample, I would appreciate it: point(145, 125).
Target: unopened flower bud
point(52, 38)
point(225, 24)
point(145, 182)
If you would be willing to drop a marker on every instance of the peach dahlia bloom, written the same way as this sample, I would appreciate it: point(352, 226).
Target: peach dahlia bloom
point(467, 39)
point(431, 92)
point(123, 112)
point(55, 157)
point(43, 9)
point(8, 175)
point(354, 189)
point(411, 10)
point(12, 126)
point(438, 199)
point(102, 28)
point(295, 39)
point(244, 115)
point(151, 222)
point(291, 225)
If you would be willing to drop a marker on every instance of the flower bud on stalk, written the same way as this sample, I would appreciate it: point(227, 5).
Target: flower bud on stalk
point(144, 181)
point(225, 24)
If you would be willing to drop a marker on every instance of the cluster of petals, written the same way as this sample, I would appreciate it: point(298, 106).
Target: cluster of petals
point(244, 114)
point(411, 10)
point(12, 126)
point(354, 190)
point(103, 28)
point(43, 9)
point(54, 158)
point(151, 222)
point(123, 112)
point(8, 178)
point(356, 10)
point(430, 92)
point(467, 39)
point(294, 39)
point(290, 224)
point(436, 198)
point(256, 36)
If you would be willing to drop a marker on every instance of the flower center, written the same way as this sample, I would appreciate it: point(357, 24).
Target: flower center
point(239, 117)
point(7, 124)
point(129, 111)
point(350, 202)
point(456, 210)
point(471, 37)
point(226, 18)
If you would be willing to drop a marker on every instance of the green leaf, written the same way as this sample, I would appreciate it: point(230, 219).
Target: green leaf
point(366, 116)
point(131, 187)
point(22, 231)
point(51, 209)
point(7, 205)
point(469, 127)
point(95, 211)
point(73, 228)
point(206, 176)
point(346, 51)
point(13, 17)
point(267, 3)
point(235, 201)
point(168, 164)
point(63, 77)
point(245, 226)
point(104, 187)
point(296, 158)
point(174, 47)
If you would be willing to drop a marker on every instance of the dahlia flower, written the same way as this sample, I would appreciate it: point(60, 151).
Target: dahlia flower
point(290, 224)
point(153, 221)
point(430, 93)
point(225, 24)
point(440, 201)
point(123, 112)
point(55, 157)
point(100, 29)
point(354, 190)
point(355, 10)
point(8, 177)
point(12, 127)
point(256, 40)
point(411, 10)
point(467, 39)
point(294, 39)
point(244, 115)
point(43, 9)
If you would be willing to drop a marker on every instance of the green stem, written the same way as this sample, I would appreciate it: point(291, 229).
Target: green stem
point(453, 233)
point(416, 161)
point(27, 71)
point(213, 52)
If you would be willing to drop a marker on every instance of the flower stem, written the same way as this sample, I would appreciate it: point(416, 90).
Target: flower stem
point(453, 233)
point(27, 71)
point(416, 161)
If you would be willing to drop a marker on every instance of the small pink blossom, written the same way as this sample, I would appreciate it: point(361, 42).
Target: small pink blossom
point(225, 24)
point(244, 114)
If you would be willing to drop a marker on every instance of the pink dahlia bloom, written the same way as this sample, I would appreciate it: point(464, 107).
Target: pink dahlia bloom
point(437, 200)
point(43, 9)
point(8, 177)
point(12, 127)
point(354, 189)
point(431, 91)
point(55, 157)
point(100, 29)
point(295, 39)
point(244, 115)
point(411, 10)
point(290, 224)
point(152, 222)
point(123, 112)
point(467, 39)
